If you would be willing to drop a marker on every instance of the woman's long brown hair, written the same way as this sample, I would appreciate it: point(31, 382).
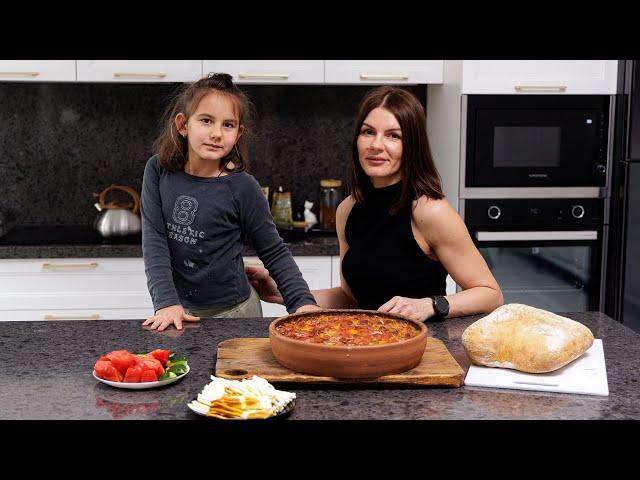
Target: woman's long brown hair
point(419, 173)
point(172, 148)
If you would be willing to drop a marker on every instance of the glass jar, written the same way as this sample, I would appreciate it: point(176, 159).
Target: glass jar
point(330, 197)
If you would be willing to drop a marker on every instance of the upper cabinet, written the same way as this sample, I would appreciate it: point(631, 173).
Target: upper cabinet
point(539, 76)
point(384, 71)
point(139, 70)
point(268, 71)
point(37, 70)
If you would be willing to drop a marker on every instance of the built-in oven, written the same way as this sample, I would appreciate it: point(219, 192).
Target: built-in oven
point(535, 141)
point(546, 253)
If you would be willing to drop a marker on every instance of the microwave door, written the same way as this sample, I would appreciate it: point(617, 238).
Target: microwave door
point(536, 142)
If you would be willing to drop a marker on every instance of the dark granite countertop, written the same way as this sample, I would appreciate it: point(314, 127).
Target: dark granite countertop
point(311, 246)
point(47, 375)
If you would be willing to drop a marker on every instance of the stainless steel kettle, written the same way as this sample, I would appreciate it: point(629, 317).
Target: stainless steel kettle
point(117, 219)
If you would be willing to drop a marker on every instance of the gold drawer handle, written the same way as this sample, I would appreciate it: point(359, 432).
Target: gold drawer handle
point(53, 266)
point(540, 88)
point(283, 76)
point(19, 74)
point(367, 76)
point(139, 75)
point(95, 316)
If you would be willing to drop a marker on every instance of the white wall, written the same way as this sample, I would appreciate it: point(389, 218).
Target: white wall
point(443, 127)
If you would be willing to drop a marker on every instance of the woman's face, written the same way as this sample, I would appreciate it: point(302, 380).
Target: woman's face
point(380, 147)
point(213, 128)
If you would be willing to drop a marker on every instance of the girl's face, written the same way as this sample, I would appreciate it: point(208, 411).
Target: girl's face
point(380, 147)
point(213, 128)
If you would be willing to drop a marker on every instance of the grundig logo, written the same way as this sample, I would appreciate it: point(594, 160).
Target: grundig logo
point(538, 175)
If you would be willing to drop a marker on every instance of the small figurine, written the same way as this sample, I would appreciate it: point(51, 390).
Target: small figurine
point(309, 217)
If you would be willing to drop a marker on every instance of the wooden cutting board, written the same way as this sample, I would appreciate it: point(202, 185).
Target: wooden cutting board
point(244, 357)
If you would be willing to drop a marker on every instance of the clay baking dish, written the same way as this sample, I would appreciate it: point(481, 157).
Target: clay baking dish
point(347, 361)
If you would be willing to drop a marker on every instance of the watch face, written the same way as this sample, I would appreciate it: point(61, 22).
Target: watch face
point(441, 305)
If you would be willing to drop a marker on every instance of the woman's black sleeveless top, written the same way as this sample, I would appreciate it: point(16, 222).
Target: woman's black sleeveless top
point(384, 259)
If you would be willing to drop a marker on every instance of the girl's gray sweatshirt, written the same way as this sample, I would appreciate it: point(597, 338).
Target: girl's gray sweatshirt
point(193, 231)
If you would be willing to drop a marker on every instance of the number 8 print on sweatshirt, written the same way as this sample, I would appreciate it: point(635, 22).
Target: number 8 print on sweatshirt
point(184, 211)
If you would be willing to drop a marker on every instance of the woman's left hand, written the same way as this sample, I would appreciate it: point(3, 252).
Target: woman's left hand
point(418, 309)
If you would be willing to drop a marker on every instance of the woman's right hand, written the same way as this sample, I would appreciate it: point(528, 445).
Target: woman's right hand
point(265, 285)
point(166, 316)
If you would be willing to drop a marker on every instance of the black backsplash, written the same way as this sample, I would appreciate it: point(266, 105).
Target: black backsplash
point(59, 142)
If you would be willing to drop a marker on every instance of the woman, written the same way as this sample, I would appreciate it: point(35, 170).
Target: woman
point(398, 235)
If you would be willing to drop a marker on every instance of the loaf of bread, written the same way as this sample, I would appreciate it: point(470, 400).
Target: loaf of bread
point(525, 338)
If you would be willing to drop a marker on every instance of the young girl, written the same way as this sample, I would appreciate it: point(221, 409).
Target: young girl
point(398, 235)
point(199, 203)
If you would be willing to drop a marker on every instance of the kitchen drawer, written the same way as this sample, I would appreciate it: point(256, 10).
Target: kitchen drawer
point(150, 71)
point(268, 71)
point(60, 299)
point(72, 266)
point(70, 276)
point(88, 285)
point(374, 72)
point(76, 314)
point(37, 70)
point(59, 283)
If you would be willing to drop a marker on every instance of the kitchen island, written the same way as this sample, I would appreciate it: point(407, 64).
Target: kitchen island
point(47, 374)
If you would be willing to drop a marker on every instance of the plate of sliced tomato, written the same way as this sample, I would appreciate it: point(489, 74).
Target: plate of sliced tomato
point(137, 371)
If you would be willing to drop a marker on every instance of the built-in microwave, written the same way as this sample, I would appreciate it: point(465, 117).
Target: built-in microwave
point(535, 141)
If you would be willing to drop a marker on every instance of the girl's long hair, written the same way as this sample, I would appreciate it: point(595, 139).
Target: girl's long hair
point(419, 173)
point(172, 148)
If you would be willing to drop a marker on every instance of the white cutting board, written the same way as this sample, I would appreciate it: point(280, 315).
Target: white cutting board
point(585, 375)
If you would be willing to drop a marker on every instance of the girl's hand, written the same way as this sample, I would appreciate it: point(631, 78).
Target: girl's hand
point(418, 309)
point(168, 315)
point(264, 284)
point(308, 308)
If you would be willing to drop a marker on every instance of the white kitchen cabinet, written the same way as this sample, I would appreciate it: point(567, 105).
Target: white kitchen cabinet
point(139, 70)
point(383, 71)
point(539, 76)
point(268, 71)
point(316, 271)
point(73, 289)
point(37, 70)
point(335, 271)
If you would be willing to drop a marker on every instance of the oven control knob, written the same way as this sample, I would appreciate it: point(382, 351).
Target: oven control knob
point(494, 212)
point(577, 211)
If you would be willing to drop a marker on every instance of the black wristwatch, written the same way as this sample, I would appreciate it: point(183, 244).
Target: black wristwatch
point(441, 307)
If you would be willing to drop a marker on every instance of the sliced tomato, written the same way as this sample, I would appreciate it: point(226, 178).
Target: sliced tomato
point(134, 374)
point(122, 360)
point(161, 355)
point(149, 376)
point(112, 374)
point(101, 366)
point(150, 363)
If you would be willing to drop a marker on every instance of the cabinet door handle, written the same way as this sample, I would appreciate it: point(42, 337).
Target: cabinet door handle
point(19, 74)
point(540, 88)
point(282, 76)
point(54, 266)
point(368, 76)
point(139, 75)
point(94, 316)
